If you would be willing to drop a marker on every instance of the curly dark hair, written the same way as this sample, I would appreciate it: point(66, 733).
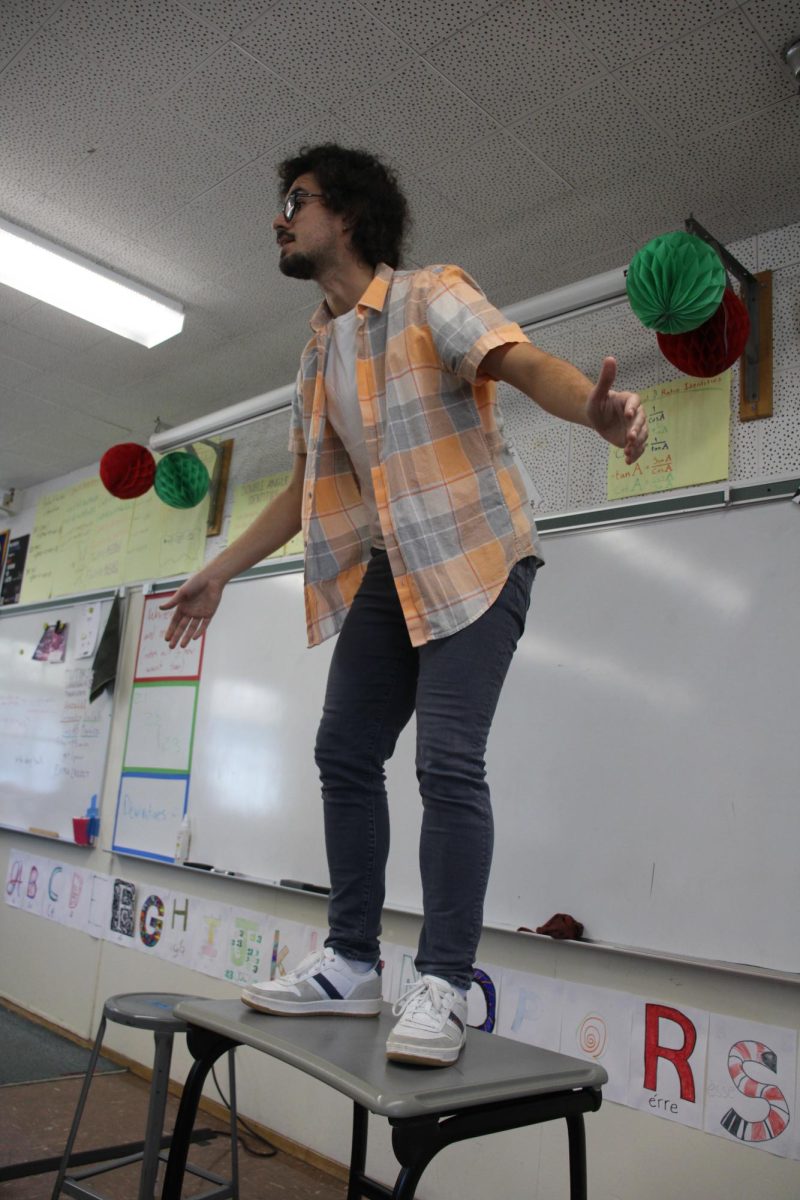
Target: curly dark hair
point(361, 186)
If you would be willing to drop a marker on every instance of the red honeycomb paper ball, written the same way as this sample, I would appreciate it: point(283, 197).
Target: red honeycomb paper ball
point(127, 470)
point(713, 346)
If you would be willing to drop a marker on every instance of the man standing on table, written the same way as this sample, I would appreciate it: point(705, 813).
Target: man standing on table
point(420, 552)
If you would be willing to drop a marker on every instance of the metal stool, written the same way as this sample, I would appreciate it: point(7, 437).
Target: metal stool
point(153, 1011)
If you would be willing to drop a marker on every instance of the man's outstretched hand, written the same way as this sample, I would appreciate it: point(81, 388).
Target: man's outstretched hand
point(617, 416)
point(195, 603)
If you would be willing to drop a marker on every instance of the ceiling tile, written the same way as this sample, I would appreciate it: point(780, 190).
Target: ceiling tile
point(142, 170)
point(707, 81)
point(116, 361)
point(597, 134)
point(55, 388)
point(19, 21)
point(54, 423)
point(620, 32)
point(497, 179)
point(777, 20)
point(228, 225)
point(516, 59)
point(18, 417)
point(22, 471)
point(13, 302)
point(55, 325)
point(240, 102)
point(14, 373)
point(313, 50)
point(422, 119)
point(135, 49)
point(423, 24)
point(36, 351)
point(757, 159)
point(229, 16)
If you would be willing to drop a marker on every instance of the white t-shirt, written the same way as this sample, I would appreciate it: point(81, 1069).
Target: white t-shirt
point(344, 413)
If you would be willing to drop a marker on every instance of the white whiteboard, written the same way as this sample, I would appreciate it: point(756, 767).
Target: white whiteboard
point(644, 760)
point(53, 742)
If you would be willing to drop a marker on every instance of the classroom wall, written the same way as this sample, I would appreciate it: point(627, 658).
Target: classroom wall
point(64, 975)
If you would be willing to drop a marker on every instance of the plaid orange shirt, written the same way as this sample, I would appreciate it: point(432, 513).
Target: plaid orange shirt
point(452, 505)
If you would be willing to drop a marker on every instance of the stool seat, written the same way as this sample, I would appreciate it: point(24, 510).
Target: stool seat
point(147, 1010)
point(152, 1011)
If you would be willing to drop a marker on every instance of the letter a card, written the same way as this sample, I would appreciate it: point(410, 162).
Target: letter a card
point(668, 1062)
point(750, 1096)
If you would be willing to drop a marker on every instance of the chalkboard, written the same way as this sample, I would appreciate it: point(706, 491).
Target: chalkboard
point(53, 741)
point(643, 761)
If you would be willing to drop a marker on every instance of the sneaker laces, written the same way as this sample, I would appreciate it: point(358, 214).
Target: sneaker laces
point(310, 965)
point(426, 992)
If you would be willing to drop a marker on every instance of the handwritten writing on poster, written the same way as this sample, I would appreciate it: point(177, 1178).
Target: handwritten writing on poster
point(150, 809)
point(155, 659)
point(249, 499)
point(85, 539)
point(689, 422)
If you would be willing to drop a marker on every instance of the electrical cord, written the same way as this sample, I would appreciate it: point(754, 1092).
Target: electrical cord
point(270, 1151)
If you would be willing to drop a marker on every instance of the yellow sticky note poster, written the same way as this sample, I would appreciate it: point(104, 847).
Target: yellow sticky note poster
point(689, 422)
point(248, 501)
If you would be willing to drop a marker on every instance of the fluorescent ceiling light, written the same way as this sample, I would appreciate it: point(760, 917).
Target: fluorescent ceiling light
point(37, 267)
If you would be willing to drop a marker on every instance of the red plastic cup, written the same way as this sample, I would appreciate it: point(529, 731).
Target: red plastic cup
point(80, 831)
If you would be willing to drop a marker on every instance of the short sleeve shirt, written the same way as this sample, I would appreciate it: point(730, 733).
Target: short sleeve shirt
point(453, 508)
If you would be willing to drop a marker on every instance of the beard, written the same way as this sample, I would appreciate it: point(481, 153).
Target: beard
point(297, 265)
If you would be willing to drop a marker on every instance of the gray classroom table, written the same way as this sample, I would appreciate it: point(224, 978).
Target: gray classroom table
point(497, 1084)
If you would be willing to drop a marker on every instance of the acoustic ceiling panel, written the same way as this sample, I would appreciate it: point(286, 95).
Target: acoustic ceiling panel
point(515, 59)
point(352, 52)
point(146, 171)
point(759, 161)
point(19, 21)
point(422, 119)
point(778, 21)
point(715, 77)
point(621, 32)
point(598, 133)
point(499, 179)
point(241, 103)
point(231, 17)
point(424, 24)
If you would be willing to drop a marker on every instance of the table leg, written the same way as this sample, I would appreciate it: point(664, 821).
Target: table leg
point(416, 1140)
point(205, 1048)
point(577, 1157)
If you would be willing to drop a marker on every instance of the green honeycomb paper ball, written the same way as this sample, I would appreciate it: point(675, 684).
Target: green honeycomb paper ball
point(181, 480)
point(675, 282)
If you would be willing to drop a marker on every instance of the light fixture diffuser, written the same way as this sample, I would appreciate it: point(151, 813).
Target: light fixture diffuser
point(48, 272)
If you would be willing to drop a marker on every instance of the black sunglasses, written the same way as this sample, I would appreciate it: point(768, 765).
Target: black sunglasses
point(296, 199)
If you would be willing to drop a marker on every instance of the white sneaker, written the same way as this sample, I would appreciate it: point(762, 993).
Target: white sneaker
point(323, 982)
point(433, 1024)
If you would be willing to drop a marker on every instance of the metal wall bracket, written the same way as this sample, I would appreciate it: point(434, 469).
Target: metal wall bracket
point(757, 357)
point(219, 477)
